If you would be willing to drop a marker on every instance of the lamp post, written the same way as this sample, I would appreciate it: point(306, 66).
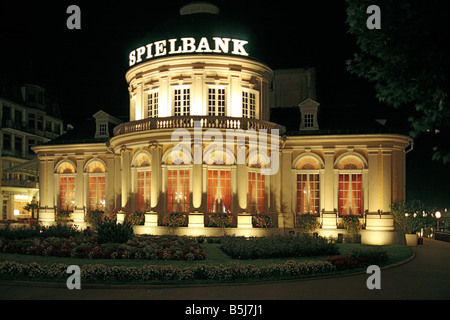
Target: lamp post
point(438, 216)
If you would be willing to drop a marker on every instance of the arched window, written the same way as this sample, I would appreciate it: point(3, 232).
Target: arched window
point(350, 194)
point(66, 186)
point(144, 181)
point(96, 172)
point(308, 185)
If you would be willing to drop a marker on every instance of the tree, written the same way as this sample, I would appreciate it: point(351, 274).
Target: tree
point(407, 59)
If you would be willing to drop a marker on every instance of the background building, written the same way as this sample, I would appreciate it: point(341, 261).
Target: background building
point(29, 117)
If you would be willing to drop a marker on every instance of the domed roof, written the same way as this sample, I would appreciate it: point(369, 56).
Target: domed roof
point(203, 20)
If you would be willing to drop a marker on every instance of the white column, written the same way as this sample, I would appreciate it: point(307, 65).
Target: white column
point(373, 181)
point(387, 180)
point(78, 213)
point(156, 176)
point(126, 175)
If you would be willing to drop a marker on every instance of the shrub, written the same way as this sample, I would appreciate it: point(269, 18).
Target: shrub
point(307, 222)
point(63, 215)
point(262, 221)
point(174, 219)
point(351, 224)
point(94, 217)
point(342, 262)
point(369, 257)
point(58, 230)
point(136, 218)
point(300, 245)
point(359, 258)
point(110, 231)
point(222, 220)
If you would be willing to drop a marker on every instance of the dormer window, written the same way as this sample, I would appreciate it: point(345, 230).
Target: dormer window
point(103, 120)
point(103, 129)
point(308, 111)
point(308, 118)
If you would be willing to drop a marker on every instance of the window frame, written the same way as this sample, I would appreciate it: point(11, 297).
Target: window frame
point(152, 103)
point(249, 109)
point(181, 100)
point(227, 198)
point(217, 101)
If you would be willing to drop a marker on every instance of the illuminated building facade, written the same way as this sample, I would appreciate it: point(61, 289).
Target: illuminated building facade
point(201, 139)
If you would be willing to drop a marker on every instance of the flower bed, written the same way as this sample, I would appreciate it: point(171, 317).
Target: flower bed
point(150, 248)
point(234, 271)
point(358, 259)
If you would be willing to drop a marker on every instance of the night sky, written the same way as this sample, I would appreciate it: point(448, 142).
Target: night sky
point(85, 69)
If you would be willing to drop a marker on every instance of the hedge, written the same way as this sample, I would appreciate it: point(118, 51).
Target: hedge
point(277, 246)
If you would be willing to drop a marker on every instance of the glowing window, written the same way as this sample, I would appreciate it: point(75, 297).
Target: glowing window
point(177, 190)
point(256, 192)
point(152, 104)
point(97, 193)
point(308, 193)
point(66, 168)
point(66, 193)
point(97, 167)
point(144, 183)
point(350, 194)
point(97, 186)
point(216, 102)
point(219, 191)
point(181, 106)
point(248, 104)
point(308, 163)
point(350, 163)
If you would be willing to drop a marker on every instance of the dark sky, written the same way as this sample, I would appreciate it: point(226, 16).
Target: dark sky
point(85, 69)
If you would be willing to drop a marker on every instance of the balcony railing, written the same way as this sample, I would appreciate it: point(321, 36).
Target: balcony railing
point(189, 122)
point(19, 183)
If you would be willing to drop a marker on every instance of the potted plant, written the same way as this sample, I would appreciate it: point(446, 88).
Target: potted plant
point(409, 216)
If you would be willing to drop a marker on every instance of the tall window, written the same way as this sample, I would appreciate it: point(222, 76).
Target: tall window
point(308, 193)
point(216, 102)
point(66, 187)
point(350, 195)
point(152, 104)
point(219, 191)
point(178, 190)
point(96, 186)
point(144, 182)
point(248, 104)
point(7, 141)
point(181, 105)
point(256, 193)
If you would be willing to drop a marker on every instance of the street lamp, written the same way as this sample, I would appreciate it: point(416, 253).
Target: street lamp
point(438, 216)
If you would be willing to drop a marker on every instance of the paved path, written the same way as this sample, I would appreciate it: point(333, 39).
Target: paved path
point(426, 277)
